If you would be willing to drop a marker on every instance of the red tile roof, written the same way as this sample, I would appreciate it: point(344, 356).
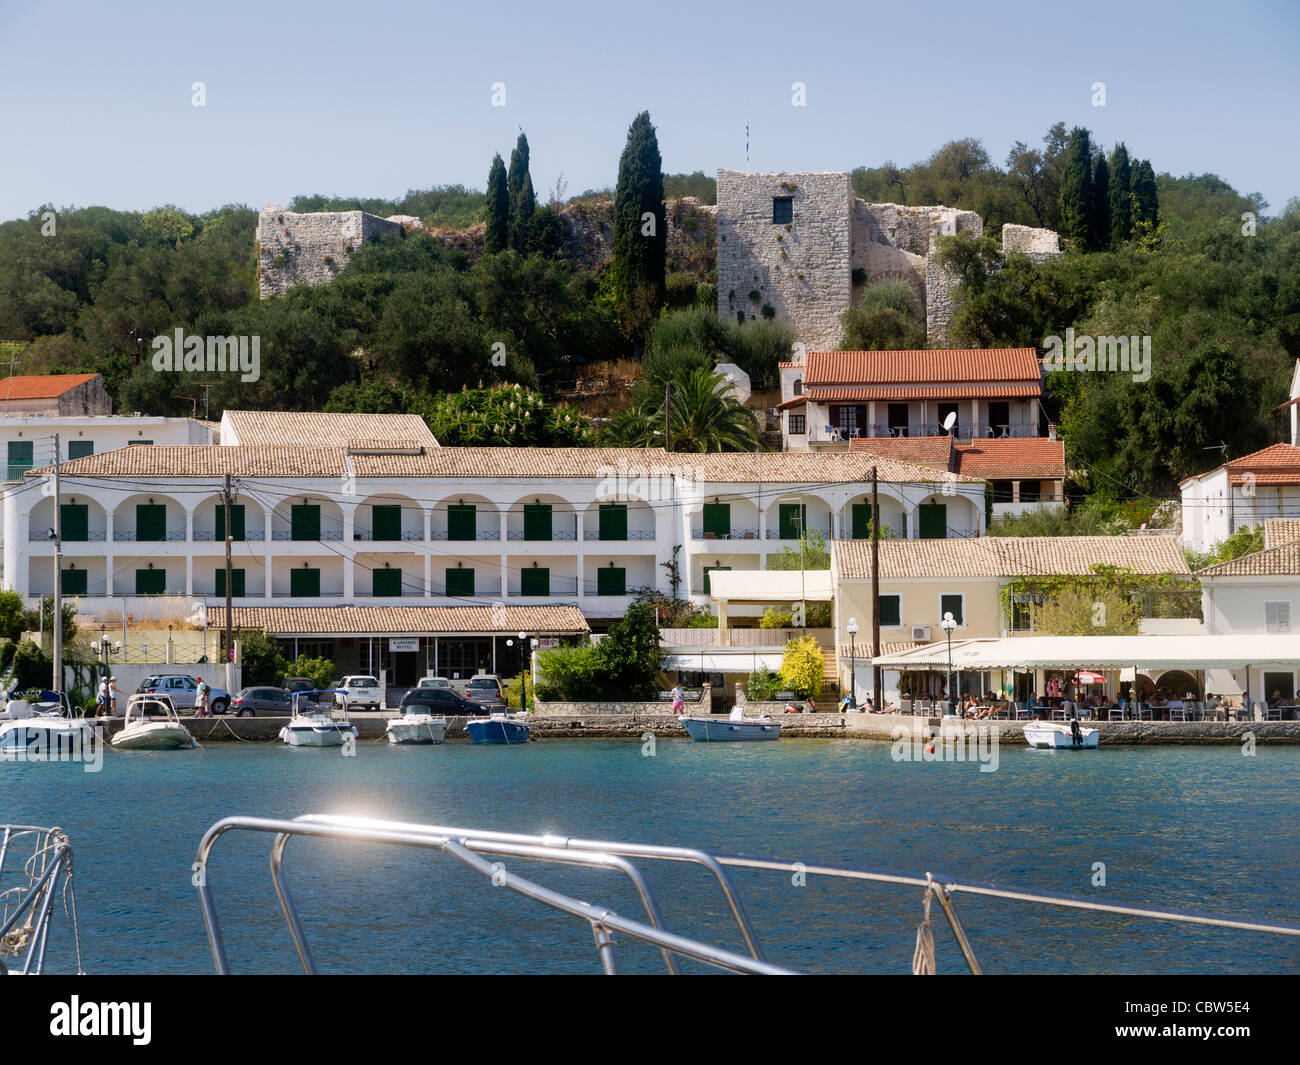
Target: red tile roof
point(1277, 456)
point(940, 366)
point(823, 394)
point(923, 450)
point(1012, 458)
point(44, 386)
point(381, 620)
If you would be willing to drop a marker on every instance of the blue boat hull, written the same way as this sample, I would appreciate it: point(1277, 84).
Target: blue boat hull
point(497, 730)
point(724, 730)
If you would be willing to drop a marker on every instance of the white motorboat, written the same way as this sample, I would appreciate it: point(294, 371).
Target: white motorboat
point(1049, 735)
point(736, 728)
point(416, 725)
point(314, 725)
point(152, 724)
point(40, 726)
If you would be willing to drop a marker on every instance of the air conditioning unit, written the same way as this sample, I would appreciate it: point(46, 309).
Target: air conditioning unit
point(920, 633)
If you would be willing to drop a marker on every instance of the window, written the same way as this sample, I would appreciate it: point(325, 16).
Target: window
point(1277, 615)
point(150, 521)
point(304, 522)
point(898, 419)
point(717, 520)
point(792, 519)
point(1003, 492)
point(304, 583)
point(386, 522)
point(386, 582)
point(20, 458)
point(535, 581)
point(891, 611)
point(798, 386)
point(537, 521)
point(150, 581)
point(73, 582)
point(460, 583)
point(1029, 491)
point(611, 581)
point(236, 522)
point(798, 423)
point(782, 210)
point(462, 521)
point(79, 449)
point(953, 604)
point(236, 582)
point(133, 443)
point(613, 521)
point(707, 571)
point(999, 417)
point(933, 521)
point(862, 521)
point(74, 519)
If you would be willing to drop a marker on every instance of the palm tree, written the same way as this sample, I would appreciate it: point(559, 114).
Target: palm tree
point(706, 418)
point(631, 428)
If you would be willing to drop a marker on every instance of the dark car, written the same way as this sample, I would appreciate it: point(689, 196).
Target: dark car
point(249, 702)
point(300, 684)
point(441, 701)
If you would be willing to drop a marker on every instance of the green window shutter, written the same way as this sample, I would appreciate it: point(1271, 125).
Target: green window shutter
point(304, 521)
point(387, 521)
point(535, 582)
point(75, 521)
point(236, 523)
point(707, 570)
point(861, 521)
point(933, 521)
point(537, 521)
point(462, 522)
point(460, 583)
point(20, 458)
point(717, 519)
point(951, 603)
point(150, 521)
point(150, 581)
point(386, 582)
point(236, 582)
point(613, 521)
point(793, 520)
point(73, 581)
point(891, 613)
point(611, 581)
point(79, 449)
point(304, 582)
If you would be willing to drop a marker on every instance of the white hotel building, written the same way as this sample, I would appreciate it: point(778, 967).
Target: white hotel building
point(354, 511)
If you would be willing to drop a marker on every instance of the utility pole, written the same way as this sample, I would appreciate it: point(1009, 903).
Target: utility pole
point(58, 576)
point(228, 501)
point(668, 416)
point(877, 696)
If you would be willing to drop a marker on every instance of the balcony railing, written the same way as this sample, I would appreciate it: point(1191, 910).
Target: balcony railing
point(93, 536)
point(735, 534)
point(129, 536)
point(962, 430)
point(408, 536)
point(632, 534)
point(204, 536)
point(326, 534)
point(775, 534)
point(558, 534)
point(558, 585)
point(481, 534)
point(16, 471)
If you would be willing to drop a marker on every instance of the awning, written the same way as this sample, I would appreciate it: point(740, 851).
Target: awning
point(724, 660)
point(1105, 652)
point(771, 585)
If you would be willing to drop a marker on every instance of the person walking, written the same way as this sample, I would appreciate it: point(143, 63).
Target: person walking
point(113, 692)
point(101, 698)
point(201, 699)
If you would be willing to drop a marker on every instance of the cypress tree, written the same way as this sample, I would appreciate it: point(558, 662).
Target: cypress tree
point(515, 185)
point(1121, 197)
point(640, 243)
point(523, 215)
point(1101, 205)
point(497, 237)
point(1146, 208)
point(1076, 189)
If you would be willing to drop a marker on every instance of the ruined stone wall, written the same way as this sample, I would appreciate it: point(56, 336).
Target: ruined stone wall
point(940, 284)
point(876, 258)
point(1038, 244)
point(310, 249)
point(803, 270)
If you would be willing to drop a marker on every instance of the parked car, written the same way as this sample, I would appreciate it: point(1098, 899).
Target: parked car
point(361, 692)
point(299, 684)
point(485, 688)
point(435, 682)
point(183, 691)
point(441, 701)
point(249, 702)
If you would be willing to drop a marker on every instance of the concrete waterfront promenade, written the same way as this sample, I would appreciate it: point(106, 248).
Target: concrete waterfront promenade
point(879, 727)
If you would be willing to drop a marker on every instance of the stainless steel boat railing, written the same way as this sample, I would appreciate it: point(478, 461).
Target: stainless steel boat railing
point(469, 846)
point(46, 868)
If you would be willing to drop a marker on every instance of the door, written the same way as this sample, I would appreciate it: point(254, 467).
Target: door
point(20, 458)
point(537, 521)
point(793, 519)
point(75, 521)
point(613, 521)
point(73, 581)
point(150, 521)
point(386, 582)
point(898, 419)
point(999, 418)
point(535, 581)
point(304, 522)
point(862, 521)
point(460, 583)
point(944, 410)
point(150, 581)
point(462, 522)
point(611, 581)
point(387, 522)
point(304, 583)
point(933, 521)
point(236, 522)
point(236, 582)
point(717, 520)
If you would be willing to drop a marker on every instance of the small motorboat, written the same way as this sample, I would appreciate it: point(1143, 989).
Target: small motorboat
point(1049, 735)
point(314, 725)
point(152, 724)
point(416, 725)
point(736, 728)
point(39, 726)
point(497, 728)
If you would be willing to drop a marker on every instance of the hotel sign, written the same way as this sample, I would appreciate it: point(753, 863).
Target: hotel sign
point(397, 646)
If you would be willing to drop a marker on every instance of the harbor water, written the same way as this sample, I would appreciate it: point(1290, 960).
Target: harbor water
point(1197, 828)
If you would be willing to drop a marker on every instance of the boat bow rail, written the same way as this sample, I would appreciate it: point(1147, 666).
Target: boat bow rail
point(40, 861)
point(472, 848)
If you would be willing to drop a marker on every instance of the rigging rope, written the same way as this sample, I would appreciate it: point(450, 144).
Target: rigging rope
point(923, 956)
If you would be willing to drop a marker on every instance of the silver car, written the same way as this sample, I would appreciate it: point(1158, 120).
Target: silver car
point(184, 692)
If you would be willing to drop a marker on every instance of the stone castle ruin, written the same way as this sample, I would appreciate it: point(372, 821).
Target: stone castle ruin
point(802, 247)
point(311, 249)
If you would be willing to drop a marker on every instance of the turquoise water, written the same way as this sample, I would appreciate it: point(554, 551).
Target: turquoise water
point(1195, 828)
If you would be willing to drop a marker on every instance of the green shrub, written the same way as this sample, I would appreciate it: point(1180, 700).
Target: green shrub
point(31, 668)
point(319, 670)
point(802, 667)
point(575, 673)
point(761, 686)
point(7, 650)
point(525, 681)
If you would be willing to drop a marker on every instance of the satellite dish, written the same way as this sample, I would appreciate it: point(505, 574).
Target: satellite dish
point(949, 421)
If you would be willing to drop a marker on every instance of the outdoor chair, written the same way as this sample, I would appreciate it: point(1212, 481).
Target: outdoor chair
point(1272, 713)
point(1145, 712)
point(1115, 713)
point(1178, 713)
point(1058, 712)
point(1021, 711)
point(1195, 711)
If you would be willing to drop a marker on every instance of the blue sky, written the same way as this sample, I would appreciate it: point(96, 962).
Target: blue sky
point(372, 99)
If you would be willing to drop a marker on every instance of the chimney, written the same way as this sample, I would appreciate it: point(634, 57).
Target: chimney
point(1051, 430)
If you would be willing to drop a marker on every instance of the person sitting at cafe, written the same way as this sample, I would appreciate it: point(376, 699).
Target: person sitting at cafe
point(1275, 700)
point(1175, 703)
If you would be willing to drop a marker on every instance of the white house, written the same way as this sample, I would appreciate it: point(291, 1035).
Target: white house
point(1240, 494)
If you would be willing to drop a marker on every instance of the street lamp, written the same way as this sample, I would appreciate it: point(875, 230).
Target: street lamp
point(948, 624)
point(104, 647)
point(853, 664)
